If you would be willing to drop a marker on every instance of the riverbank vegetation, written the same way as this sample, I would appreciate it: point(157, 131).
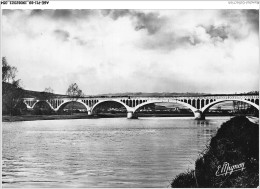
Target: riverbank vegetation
point(236, 142)
point(11, 89)
point(44, 117)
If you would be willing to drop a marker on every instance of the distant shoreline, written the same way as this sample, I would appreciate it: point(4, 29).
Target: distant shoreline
point(8, 118)
point(42, 117)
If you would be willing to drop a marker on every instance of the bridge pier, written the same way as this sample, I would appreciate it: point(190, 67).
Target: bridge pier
point(89, 112)
point(199, 115)
point(131, 115)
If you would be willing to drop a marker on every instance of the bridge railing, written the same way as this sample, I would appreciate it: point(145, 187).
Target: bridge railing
point(160, 97)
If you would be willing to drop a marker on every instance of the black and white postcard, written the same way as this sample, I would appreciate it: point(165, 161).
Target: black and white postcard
point(130, 94)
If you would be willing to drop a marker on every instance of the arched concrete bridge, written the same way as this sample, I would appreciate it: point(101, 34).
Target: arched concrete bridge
point(197, 104)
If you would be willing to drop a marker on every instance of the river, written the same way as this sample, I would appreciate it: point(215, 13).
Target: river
point(106, 152)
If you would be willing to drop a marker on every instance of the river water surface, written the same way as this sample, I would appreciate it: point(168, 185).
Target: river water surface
point(109, 152)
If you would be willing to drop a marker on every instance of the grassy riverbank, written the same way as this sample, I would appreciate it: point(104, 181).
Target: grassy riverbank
point(236, 142)
point(44, 117)
point(7, 118)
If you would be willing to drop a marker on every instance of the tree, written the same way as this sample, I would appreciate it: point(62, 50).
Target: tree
point(253, 92)
point(12, 92)
point(49, 90)
point(74, 93)
point(8, 72)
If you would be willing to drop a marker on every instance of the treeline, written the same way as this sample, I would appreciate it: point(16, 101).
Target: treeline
point(252, 92)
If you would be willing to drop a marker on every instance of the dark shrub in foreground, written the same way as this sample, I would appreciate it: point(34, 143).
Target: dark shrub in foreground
point(237, 141)
point(185, 180)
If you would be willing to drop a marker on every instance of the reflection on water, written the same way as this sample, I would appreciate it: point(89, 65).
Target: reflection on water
point(115, 152)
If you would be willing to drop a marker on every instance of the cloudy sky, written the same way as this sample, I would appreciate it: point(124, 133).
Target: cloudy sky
point(108, 51)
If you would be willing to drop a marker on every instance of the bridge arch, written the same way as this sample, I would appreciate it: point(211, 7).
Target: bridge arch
point(62, 105)
point(27, 105)
point(45, 101)
point(208, 106)
point(193, 109)
point(112, 100)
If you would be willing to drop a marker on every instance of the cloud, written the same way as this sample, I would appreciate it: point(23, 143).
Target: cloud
point(139, 27)
point(218, 31)
point(64, 14)
point(242, 17)
point(106, 51)
point(213, 29)
point(80, 41)
point(170, 40)
point(61, 35)
point(199, 35)
point(38, 12)
point(152, 22)
point(240, 22)
point(7, 11)
point(167, 42)
point(115, 14)
point(253, 18)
